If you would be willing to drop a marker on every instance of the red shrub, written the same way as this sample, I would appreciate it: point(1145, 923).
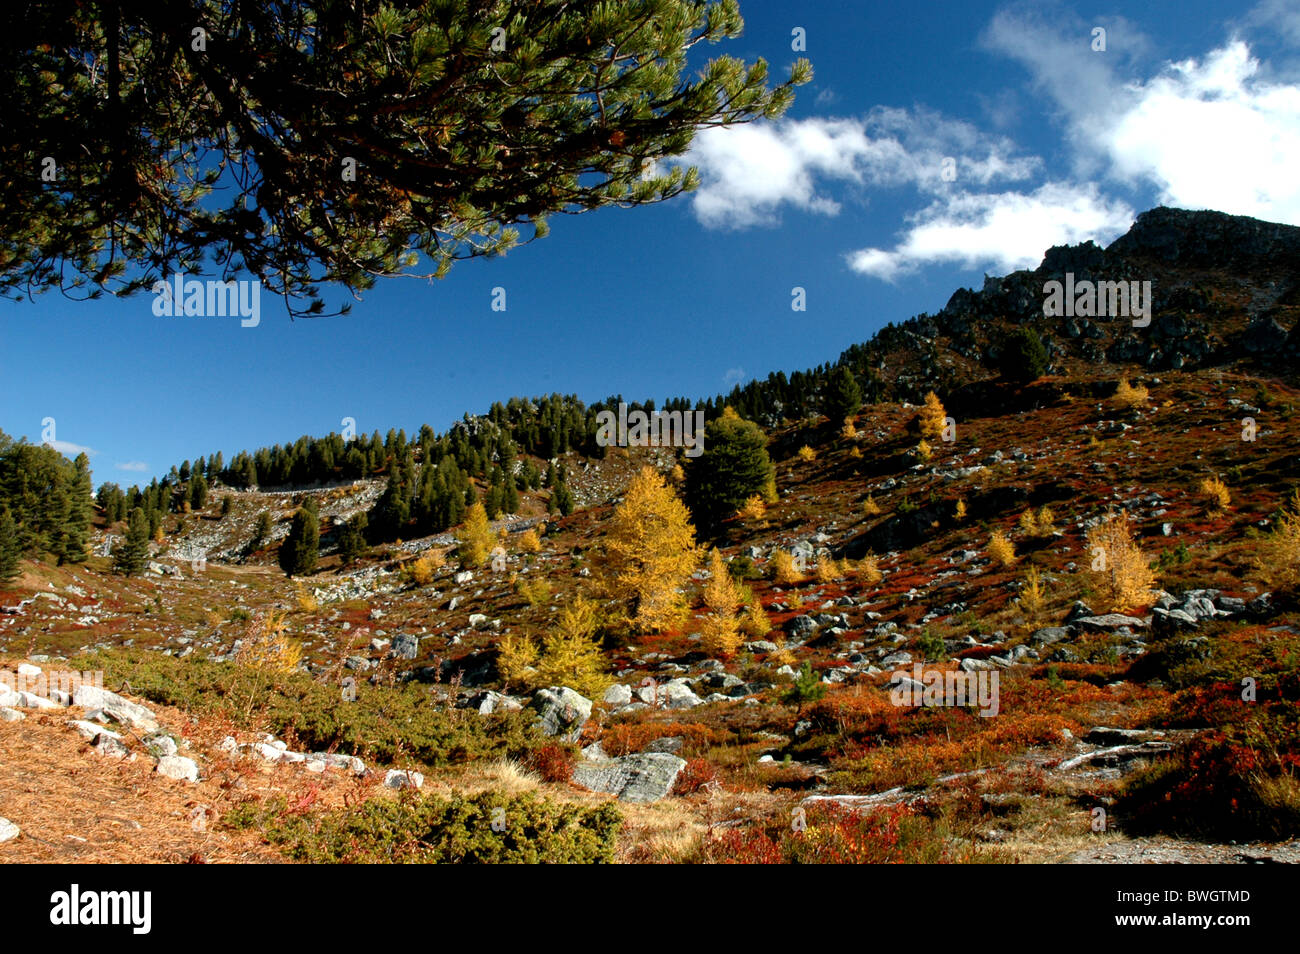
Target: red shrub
point(554, 763)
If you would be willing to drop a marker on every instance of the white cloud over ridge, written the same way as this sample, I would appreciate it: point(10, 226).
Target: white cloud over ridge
point(1218, 131)
point(748, 172)
point(1009, 230)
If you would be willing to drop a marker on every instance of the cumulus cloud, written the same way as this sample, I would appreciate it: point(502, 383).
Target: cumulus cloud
point(1007, 230)
point(749, 172)
point(133, 465)
point(1204, 133)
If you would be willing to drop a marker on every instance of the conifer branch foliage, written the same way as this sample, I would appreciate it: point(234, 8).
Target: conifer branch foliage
point(199, 128)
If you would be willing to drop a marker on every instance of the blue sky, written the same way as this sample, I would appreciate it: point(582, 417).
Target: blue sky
point(1193, 104)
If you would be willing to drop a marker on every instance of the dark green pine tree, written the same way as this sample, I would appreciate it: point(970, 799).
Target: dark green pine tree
point(510, 496)
point(300, 550)
point(262, 531)
point(198, 491)
point(352, 539)
point(733, 467)
point(9, 547)
point(130, 555)
point(562, 497)
point(1023, 358)
point(843, 396)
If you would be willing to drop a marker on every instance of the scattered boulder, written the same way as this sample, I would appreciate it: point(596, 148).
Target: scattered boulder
point(399, 778)
point(644, 777)
point(617, 695)
point(117, 708)
point(406, 646)
point(8, 830)
point(561, 711)
point(10, 715)
point(178, 767)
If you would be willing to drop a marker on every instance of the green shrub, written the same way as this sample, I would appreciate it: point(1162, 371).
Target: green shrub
point(436, 830)
point(383, 725)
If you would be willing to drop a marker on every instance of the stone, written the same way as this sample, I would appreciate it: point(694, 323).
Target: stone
point(678, 694)
point(397, 778)
point(478, 620)
point(406, 646)
point(801, 626)
point(760, 646)
point(1108, 622)
point(117, 708)
point(463, 577)
point(11, 715)
point(644, 777)
point(672, 744)
point(617, 695)
point(561, 711)
point(90, 731)
point(28, 670)
point(178, 767)
point(161, 745)
point(110, 745)
point(1050, 634)
point(490, 702)
point(29, 700)
point(8, 830)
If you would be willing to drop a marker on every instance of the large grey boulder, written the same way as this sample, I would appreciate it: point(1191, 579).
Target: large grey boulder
point(113, 705)
point(645, 777)
point(1108, 621)
point(8, 830)
point(561, 711)
point(179, 768)
point(406, 646)
point(617, 695)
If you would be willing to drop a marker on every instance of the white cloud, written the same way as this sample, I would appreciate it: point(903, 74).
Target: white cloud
point(749, 171)
point(1007, 230)
point(1204, 133)
point(135, 465)
point(67, 447)
point(1280, 15)
point(733, 376)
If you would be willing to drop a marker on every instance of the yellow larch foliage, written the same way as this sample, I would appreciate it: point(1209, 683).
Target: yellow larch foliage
point(754, 508)
point(1122, 571)
point(1216, 495)
point(571, 654)
point(650, 553)
point(267, 646)
point(932, 418)
point(1277, 562)
point(1128, 396)
point(806, 453)
point(475, 536)
point(720, 630)
point(783, 568)
point(1001, 549)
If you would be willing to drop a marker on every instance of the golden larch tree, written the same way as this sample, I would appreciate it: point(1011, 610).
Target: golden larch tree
point(932, 418)
point(650, 553)
point(1121, 569)
point(721, 628)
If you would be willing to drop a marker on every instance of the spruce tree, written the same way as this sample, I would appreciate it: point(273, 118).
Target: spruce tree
point(352, 539)
point(130, 555)
point(733, 467)
point(9, 548)
point(843, 396)
point(300, 550)
point(262, 530)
